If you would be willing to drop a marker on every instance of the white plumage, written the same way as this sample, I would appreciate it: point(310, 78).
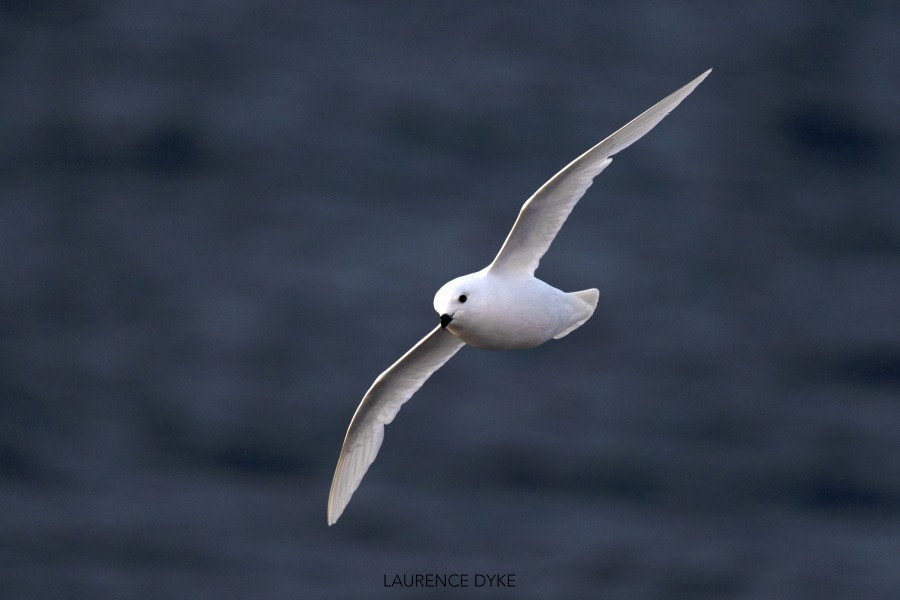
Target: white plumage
point(501, 307)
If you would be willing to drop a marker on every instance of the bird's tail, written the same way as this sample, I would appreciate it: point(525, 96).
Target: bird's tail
point(587, 301)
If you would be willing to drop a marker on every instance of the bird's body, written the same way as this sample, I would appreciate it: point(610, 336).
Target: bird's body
point(501, 307)
point(509, 312)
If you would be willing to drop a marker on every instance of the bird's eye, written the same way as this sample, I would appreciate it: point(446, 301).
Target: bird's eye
point(462, 298)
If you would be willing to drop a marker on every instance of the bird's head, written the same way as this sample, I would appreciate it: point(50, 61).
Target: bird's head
point(456, 298)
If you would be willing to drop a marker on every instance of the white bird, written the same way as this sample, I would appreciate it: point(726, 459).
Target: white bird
point(503, 306)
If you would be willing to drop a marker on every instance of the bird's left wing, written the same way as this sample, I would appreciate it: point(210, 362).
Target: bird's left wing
point(379, 407)
point(545, 212)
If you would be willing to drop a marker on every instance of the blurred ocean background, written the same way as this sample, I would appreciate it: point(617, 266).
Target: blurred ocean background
point(220, 221)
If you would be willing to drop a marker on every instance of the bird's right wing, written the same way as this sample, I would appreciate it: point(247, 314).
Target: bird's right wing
point(379, 407)
point(544, 213)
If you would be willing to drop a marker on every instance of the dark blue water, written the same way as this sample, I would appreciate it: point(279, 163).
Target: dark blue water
point(220, 221)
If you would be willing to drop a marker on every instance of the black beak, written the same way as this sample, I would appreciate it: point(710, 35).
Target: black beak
point(445, 320)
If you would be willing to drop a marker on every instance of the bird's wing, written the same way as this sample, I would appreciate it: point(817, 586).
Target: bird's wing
point(379, 407)
point(544, 213)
